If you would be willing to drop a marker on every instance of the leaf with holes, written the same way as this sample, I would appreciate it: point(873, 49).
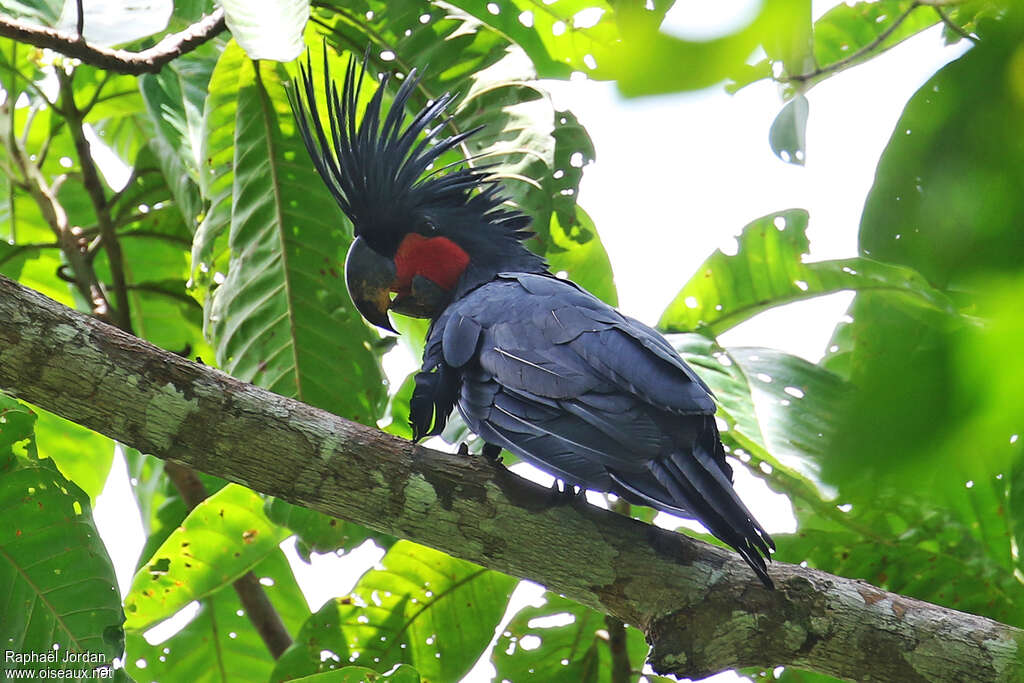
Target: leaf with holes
point(560, 36)
point(219, 541)
point(57, 581)
point(282, 318)
point(219, 644)
point(562, 641)
point(778, 409)
point(769, 270)
point(426, 609)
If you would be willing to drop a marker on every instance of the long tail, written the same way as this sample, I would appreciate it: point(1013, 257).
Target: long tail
point(696, 486)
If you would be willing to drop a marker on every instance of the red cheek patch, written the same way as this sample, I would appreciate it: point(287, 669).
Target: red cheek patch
point(436, 258)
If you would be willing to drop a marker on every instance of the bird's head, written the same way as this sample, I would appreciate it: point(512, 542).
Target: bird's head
point(421, 233)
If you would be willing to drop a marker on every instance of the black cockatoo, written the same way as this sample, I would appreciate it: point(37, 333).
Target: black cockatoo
point(534, 363)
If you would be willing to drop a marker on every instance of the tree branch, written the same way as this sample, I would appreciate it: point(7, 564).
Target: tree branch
point(120, 61)
point(702, 609)
point(121, 313)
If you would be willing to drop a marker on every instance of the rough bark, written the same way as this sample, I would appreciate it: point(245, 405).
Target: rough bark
point(701, 607)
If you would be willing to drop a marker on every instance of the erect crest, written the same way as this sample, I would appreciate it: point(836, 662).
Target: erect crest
point(375, 168)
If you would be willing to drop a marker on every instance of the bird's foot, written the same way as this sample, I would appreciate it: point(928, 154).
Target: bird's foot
point(491, 452)
point(566, 494)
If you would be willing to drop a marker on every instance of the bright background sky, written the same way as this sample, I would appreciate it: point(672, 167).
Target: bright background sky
point(675, 178)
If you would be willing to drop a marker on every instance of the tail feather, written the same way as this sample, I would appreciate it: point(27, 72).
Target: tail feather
point(694, 486)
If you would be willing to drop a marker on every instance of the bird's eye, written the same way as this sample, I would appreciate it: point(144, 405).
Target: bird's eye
point(427, 227)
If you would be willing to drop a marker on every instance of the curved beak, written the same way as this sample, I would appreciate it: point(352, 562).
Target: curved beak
point(370, 277)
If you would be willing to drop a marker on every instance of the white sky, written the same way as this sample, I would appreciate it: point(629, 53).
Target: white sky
point(676, 177)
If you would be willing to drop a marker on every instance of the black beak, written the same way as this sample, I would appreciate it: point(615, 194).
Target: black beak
point(369, 277)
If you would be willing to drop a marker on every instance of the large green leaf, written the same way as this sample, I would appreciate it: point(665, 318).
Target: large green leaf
point(923, 416)
point(422, 608)
point(83, 456)
point(219, 541)
point(220, 644)
point(952, 211)
point(769, 270)
point(58, 583)
point(561, 641)
point(282, 318)
point(778, 409)
point(174, 100)
point(268, 31)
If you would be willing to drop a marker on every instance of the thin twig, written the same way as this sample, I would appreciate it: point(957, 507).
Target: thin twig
point(80, 20)
point(94, 188)
point(859, 54)
point(952, 25)
point(56, 217)
point(120, 61)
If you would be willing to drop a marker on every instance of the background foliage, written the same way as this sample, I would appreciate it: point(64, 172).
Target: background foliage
point(899, 451)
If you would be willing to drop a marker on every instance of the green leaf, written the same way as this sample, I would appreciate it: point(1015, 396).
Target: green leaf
point(17, 423)
point(174, 100)
point(769, 270)
point(637, 66)
point(950, 211)
point(848, 28)
point(268, 31)
point(778, 409)
point(423, 608)
point(788, 134)
point(316, 531)
point(360, 674)
point(58, 582)
point(220, 645)
point(411, 34)
point(282, 318)
point(82, 455)
point(219, 541)
point(536, 151)
point(560, 37)
point(844, 31)
point(46, 12)
point(576, 250)
point(561, 641)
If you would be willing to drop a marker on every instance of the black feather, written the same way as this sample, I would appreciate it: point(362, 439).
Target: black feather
point(535, 364)
point(378, 172)
point(597, 399)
